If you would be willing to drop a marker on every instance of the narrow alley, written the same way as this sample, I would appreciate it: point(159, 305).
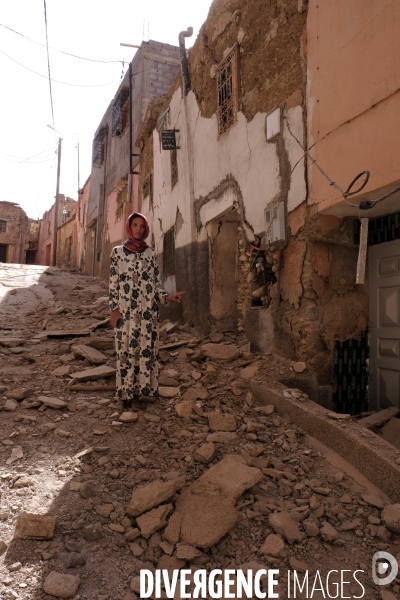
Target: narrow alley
point(209, 476)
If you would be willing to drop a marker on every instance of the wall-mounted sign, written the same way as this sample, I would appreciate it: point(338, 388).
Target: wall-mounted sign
point(168, 139)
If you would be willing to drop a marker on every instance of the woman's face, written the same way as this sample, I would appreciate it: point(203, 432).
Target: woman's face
point(138, 228)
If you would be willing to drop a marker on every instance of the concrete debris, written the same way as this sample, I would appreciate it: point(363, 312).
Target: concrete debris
point(31, 526)
point(92, 374)
point(222, 422)
point(90, 354)
point(207, 506)
point(153, 494)
point(153, 520)
point(379, 418)
point(391, 517)
point(61, 586)
point(222, 352)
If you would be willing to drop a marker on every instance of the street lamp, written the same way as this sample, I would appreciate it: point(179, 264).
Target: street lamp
point(56, 207)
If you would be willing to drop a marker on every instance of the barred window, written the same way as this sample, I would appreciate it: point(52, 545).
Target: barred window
point(174, 167)
point(147, 187)
point(99, 147)
point(120, 114)
point(169, 253)
point(3, 226)
point(228, 90)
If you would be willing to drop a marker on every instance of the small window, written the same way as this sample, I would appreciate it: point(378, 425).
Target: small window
point(174, 167)
point(169, 253)
point(99, 147)
point(147, 187)
point(228, 90)
point(3, 226)
point(120, 115)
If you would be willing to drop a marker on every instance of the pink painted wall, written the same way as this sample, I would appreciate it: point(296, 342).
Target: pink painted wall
point(353, 96)
point(46, 233)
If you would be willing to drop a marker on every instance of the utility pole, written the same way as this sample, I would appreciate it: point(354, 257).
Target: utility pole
point(56, 207)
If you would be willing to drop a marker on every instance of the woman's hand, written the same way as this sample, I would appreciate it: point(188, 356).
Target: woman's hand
point(177, 297)
point(114, 316)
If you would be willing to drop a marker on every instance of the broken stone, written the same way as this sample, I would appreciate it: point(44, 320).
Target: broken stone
point(298, 565)
point(205, 453)
point(222, 437)
point(250, 371)
point(168, 392)
point(52, 402)
point(283, 523)
point(153, 494)
point(223, 352)
point(136, 550)
point(91, 354)
point(170, 563)
point(10, 405)
point(93, 533)
point(193, 394)
point(184, 409)
point(273, 545)
point(299, 366)
point(32, 526)
point(61, 586)
point(221, 421)
point(173, 529)
point(96, 373)
point(62, 371)
point(386, 595)
point(329, 533)
point(75, 559)
point(19, 393)
point(153, 520)
point(128, 417)
point(104, 510)
point(187, 552)
point(207, 507)
point(10, 342)
point(375, 501)
point(3, 547)
point(391, 517)
point(16, 453)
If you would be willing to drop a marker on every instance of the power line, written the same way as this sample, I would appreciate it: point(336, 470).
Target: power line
point(29, 158)
point(48, 67)
point(61, 51)
point(55, 80)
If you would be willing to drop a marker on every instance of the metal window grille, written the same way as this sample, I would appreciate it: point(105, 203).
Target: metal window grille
point(99, 147)
point(3, 226)
point(380, 230)
point(147, 187)
point(228, 90)
point(169, 253)
point(174, 167)
point(120, 114)
point(350, 375)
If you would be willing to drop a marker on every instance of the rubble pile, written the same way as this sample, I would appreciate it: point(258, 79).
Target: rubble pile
point(201, 478)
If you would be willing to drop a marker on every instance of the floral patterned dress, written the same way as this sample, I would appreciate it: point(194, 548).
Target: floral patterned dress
point(135, 290)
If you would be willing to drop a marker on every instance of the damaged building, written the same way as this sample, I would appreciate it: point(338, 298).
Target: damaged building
point(248, 224)
point(115, 158)
point(15, 233)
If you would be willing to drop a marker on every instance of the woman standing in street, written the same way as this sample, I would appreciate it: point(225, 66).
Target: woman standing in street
point(135, 290)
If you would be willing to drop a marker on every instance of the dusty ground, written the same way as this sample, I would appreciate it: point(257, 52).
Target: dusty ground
point(324, 498)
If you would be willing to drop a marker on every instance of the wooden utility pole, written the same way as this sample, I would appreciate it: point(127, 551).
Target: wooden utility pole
point(56, 207)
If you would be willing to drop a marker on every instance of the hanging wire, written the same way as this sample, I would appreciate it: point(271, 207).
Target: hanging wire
point(55, 80)
point(61, 51)
point(365, 204)
point(48, 67)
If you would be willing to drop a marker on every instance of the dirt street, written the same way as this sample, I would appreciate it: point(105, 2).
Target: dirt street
point(202, 478)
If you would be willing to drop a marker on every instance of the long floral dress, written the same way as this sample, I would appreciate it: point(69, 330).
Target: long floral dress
point(135, 290)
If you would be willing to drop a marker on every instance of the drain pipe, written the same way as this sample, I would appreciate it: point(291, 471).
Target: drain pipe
point(184, 61)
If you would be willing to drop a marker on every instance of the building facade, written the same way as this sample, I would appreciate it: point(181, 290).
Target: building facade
point(14, 233)
point(66, 211)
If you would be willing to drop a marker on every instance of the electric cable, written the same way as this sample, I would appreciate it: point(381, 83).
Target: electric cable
point(48, 67)
point(365, 204)
point(61, 51)
point(28, 159)
point(55, 80)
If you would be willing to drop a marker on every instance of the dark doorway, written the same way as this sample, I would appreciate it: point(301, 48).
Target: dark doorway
point(30, 257)
point(3, 253)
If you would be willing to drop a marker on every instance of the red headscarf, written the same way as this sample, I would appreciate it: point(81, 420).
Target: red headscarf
point(132, 244)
